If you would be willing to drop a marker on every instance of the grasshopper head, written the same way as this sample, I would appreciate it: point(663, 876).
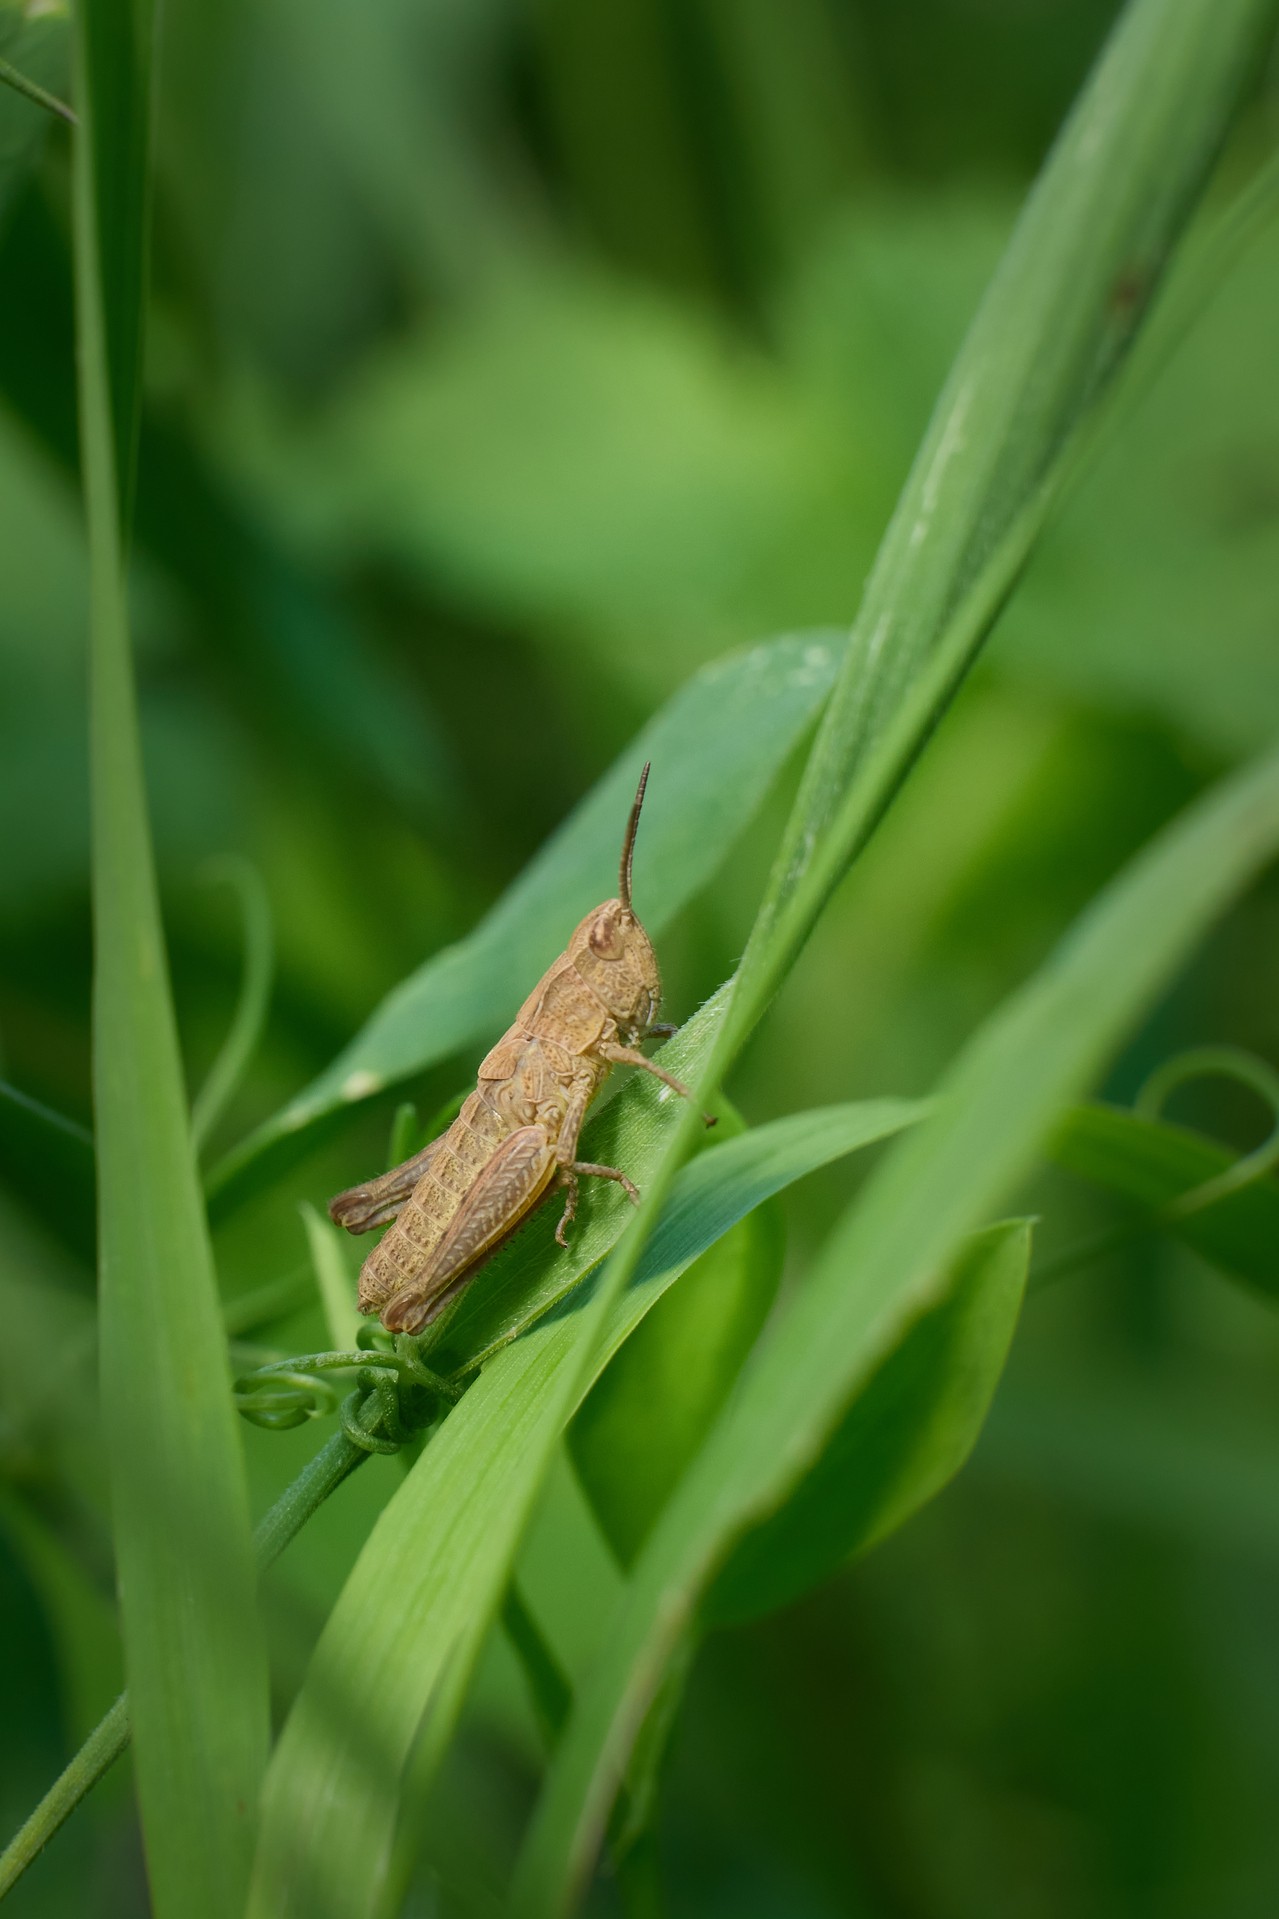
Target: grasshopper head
point(611, 950)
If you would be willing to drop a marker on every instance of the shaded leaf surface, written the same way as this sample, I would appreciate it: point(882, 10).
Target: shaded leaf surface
point(907, 1433)
point(646, 1415)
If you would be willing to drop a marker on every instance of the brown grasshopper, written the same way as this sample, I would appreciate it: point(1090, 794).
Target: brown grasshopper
point(516, 1136)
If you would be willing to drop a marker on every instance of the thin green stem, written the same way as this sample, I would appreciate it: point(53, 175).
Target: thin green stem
point(336, 1460)
point(45, 1117)
point(96, 1756)
point(31, 90)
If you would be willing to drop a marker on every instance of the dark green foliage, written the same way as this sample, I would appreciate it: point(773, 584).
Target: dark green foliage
point(909, 1431)
point(1156, 1165)
point(475, 391)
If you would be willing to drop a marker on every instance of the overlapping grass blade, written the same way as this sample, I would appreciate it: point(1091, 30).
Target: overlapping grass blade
point(414, 1611)
point(907, 1433)
point(1117, 188)
point(881, 1272)
point(645, 1418)
point(193, 1644)
point(333, 1278)
point(322, 1475)
point(1104, 216)
point(716, 748)
point(1053, 329)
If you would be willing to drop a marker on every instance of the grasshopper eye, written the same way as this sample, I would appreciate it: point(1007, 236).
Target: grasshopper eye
point(606, 939)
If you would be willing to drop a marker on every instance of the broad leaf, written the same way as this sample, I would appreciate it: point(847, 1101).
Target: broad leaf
point(908, 1433)
point(648, 1413)
point(884, 1268)
point(715, 748)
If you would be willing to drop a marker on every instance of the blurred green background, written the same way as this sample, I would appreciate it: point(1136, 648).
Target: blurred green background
point(506, 362)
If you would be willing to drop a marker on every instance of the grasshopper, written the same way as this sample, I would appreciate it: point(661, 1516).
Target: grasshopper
point(515, 1139)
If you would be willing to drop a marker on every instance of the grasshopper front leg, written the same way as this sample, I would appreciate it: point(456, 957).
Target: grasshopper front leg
point(571, 1168)
point(619, 1055)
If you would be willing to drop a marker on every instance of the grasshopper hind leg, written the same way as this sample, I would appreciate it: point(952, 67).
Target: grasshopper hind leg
point(378, 1201)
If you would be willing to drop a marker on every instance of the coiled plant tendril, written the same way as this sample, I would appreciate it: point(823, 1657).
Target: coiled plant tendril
point(1200, 1062)
point(395, 1397)
point(1216, 1062)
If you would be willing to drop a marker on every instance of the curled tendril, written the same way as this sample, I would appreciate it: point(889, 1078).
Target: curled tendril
point(1220, 1062)
point(1199, 1062)
point(279, 1397)
point(394, 1398)
point(370, 1415)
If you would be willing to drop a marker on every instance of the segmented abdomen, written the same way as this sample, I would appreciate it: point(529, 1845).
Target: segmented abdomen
point(407, 1246)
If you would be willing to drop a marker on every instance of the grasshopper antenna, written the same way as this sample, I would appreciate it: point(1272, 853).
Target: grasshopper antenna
point(628, 844)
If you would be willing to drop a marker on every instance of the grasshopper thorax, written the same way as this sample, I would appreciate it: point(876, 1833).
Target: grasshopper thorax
point(612, 953)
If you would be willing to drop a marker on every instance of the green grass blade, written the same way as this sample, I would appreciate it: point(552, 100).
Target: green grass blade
point(883, 1269)
point(249, 1020)
point(194, 1651)
point(716, 749)
point(415, 1608)
point(683, 1359)
point(550, 1693)
point(323, 1474)
point(907, 1433)
point(333, 1278)
point(1115, 193)
point(114, 52)
point(1052, 331)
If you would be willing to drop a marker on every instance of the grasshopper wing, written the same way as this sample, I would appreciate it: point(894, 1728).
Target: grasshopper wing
point(506, 1189)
